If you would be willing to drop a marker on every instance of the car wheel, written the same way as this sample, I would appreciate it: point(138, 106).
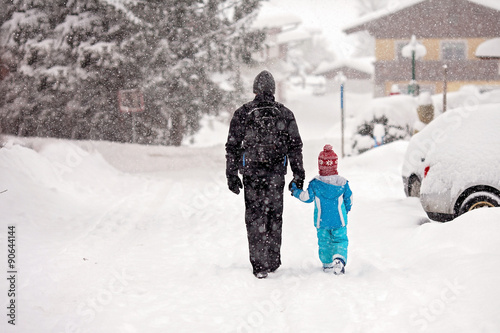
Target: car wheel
point(479, 200)
point(414, 186)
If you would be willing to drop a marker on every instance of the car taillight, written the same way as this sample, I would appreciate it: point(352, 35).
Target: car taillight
point(426, 170)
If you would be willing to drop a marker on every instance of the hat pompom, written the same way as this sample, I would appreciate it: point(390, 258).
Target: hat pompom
point(327, 148)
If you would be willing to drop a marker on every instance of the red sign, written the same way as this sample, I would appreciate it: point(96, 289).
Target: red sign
point(4, 71)
point(131, 100)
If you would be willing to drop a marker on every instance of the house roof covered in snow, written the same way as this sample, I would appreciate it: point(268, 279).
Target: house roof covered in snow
point(435, 11)
point(271, 16)
point(293, 36)
point(376, 15)
point(364, 65)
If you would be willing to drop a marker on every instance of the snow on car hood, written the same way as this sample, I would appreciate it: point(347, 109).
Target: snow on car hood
point(464, 149)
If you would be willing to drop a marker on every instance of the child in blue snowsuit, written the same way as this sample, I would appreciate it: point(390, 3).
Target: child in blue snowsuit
point(332, 197)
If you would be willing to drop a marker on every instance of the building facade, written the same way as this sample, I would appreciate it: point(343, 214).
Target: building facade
point(451, 31)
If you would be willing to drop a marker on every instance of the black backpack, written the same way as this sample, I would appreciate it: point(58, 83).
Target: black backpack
point(264, 142)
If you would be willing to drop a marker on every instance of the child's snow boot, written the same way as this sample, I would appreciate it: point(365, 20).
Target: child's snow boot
point(328, 268)
point(338, 267)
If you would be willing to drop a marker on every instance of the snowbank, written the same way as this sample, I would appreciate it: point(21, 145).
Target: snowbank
point(59, 166)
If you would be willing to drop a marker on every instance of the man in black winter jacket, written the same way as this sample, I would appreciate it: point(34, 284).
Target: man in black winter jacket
point(261, 155)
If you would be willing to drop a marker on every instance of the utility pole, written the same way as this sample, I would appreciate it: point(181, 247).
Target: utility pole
point(342, 116)
point(340, 77)
point(445, 86)
point(414, 50)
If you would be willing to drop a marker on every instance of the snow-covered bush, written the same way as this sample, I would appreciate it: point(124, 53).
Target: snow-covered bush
point(396, 114)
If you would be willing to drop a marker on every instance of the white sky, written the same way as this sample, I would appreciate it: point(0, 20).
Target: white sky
point(328, 15)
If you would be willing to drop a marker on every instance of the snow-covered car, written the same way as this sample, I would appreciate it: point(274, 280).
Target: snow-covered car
point(458, 162)
point(413, 164)
point(414, 161)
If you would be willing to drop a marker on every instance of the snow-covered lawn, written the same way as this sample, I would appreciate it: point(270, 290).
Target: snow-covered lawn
point(126, 238)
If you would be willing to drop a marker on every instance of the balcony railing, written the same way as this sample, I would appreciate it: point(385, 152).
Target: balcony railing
point(458, 70)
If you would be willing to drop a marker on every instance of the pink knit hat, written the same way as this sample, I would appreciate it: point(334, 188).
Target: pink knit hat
point(327, 162)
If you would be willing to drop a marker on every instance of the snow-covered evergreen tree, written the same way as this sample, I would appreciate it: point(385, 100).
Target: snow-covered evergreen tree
point(70, 58)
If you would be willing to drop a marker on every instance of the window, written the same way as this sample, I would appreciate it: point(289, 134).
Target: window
point(454, 50)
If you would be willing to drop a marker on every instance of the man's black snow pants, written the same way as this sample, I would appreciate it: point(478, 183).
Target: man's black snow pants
point(263, 218)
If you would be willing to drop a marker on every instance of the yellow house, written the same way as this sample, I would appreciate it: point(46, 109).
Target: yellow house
point(450, 30)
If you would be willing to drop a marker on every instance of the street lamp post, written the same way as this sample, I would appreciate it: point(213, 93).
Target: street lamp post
point(341, 78)
point(445, 86)
point(414, 50)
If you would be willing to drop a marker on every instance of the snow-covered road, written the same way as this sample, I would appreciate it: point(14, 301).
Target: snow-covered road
point(126, 238)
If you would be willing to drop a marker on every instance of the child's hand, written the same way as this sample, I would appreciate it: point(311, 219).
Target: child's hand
point(293, 188)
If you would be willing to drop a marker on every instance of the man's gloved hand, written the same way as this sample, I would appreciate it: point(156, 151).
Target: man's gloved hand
point(299, 182)
point(234, 184)
point(294, 189)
